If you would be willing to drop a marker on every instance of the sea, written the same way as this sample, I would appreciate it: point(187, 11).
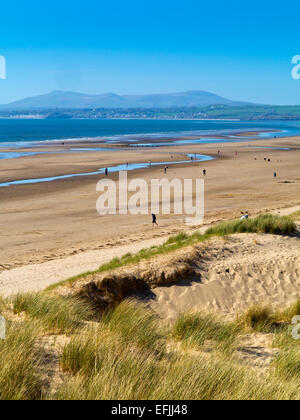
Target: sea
point(17, 133)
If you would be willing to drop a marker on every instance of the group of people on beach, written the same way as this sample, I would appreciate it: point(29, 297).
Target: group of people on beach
point(244, 216)
point(269, 160)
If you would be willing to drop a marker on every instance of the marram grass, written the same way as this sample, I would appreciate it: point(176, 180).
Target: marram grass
point(267, 223)
point(130, 354)
point(58, 314)
point(279, 225)
point(19, 360)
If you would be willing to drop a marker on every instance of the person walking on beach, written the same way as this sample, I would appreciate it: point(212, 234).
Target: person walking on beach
point(204, 172)
point(106, 171)
point(165, 169)
point(275, 175)
point(244, 216)
point(154, 222)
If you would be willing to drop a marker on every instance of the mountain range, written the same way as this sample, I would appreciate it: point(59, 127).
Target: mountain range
point(72, 100)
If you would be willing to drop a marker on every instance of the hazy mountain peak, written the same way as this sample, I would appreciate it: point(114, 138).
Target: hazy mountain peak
point(60, 99)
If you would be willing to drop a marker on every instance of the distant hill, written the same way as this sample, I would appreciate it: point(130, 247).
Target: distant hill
point(62, 100)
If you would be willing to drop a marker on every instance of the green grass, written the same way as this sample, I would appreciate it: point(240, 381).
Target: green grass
point(19, 359)
point(128, 326)
point(197, 329)
point(99, 350)
point(253, 112)
point(129, 355)
point(85, 353)
point(261, 318)
point(135, 324)
point(180, 237)
point(264, 319)
point(280, 225)
point(115, 373)
point(176, 377)
point(111, 361)
point(57, 314)
point(287, 364)
point(105, 366)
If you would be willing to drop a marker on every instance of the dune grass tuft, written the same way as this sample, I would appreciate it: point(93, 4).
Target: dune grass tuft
point(196, 329)
point(58, 314)
point(98, 350)
point(259, 318)
point(19, 378)
point(128, 326)
point(180, 237)
point(266, 223)
point(135, 324)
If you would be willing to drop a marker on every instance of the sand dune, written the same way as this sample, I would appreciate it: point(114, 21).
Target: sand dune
point(248, 269)
point(35, 277)
point(227, 275)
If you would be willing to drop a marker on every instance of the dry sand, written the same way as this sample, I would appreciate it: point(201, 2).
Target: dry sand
point(246, 270)
point(36, 277)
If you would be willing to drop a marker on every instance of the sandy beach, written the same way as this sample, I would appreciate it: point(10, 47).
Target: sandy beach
point(46, 221)
point(51, 231)
point(149, 204)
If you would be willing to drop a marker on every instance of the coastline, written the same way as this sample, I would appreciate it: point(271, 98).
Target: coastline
point(76, 131)
point(17, 150)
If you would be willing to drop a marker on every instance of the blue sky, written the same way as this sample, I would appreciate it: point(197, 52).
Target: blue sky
point(240, 50)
